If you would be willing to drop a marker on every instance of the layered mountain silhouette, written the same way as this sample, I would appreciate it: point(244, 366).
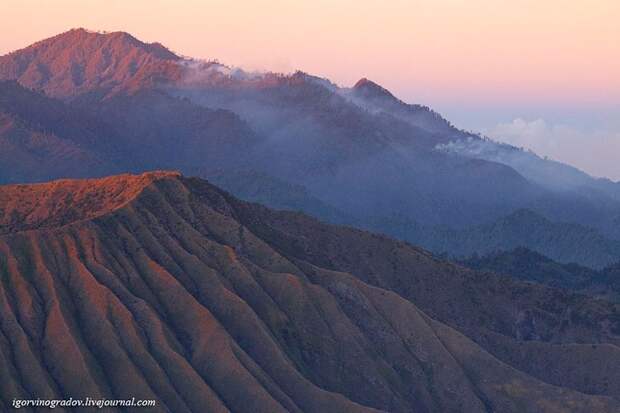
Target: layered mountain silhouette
point(87, 104)
point(158, 286)
point(563, 242)
point(528, 265)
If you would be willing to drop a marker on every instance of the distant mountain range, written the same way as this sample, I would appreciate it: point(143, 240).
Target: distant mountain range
point(86, 104)
point(528, 265)
point(563, 242)
point(157, 286)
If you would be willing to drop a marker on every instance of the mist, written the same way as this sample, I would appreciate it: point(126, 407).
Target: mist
point(594, 149)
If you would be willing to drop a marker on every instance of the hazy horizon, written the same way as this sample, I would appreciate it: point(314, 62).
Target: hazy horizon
point(542, 76)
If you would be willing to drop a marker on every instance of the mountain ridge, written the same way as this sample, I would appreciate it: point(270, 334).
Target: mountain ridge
point(525, 228)
point(243, 307)
point(529, 265)
point(374, 156)
point(64, 201)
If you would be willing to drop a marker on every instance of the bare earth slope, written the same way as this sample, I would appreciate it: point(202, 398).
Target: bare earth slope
point(159, 286)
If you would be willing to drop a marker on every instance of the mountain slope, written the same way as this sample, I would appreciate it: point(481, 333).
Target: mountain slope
point(44, 138)
point(41, 140)
point(134, 106)
point(310, 134)
point(531, 266)
point(546, 172)
point(159, 131)
point(356, 160)
point(173, 290)
point(30, 155)
point(263, 189)
point(81, 61)
point(376, 98)
point(560, 241)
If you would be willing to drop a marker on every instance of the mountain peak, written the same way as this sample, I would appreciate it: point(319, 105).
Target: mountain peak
point(116, 38)
point(82, 60)
point(370, 89)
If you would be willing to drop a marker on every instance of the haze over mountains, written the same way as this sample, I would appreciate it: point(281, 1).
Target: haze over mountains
point(524, 264)
point(158, 286)
point(94, 104)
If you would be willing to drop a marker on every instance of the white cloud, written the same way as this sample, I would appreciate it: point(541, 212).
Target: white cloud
point(596, 152)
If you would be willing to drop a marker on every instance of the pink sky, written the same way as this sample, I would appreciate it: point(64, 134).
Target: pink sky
point(440, 50)
point(486, 64)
